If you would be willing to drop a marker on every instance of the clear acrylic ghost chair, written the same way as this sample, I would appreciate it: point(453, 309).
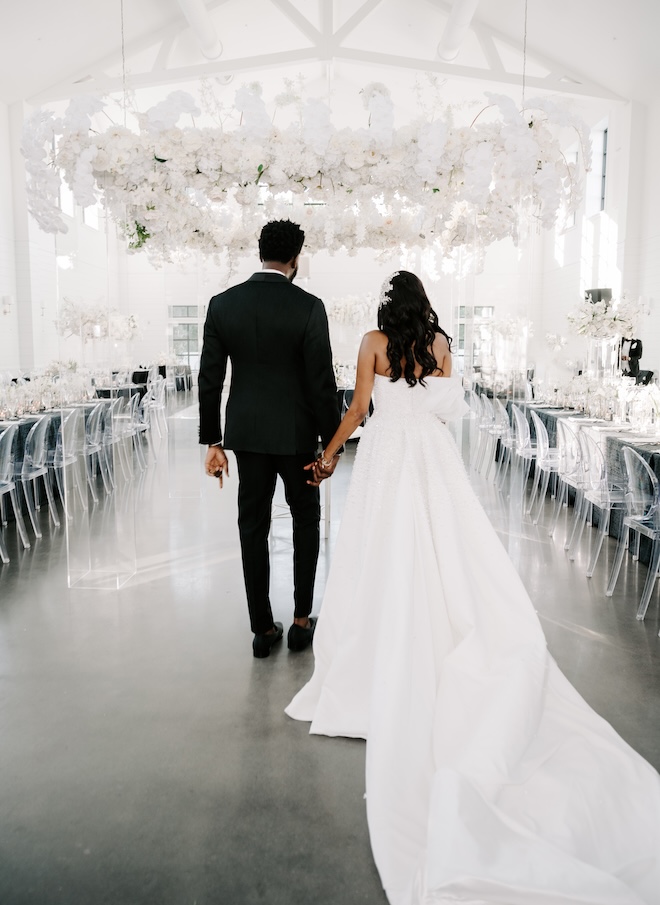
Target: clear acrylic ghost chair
point(8, 486)
point(68, 449)
point(131, 428)
point(181, 378)
point(154, 402)
point(495, 427)
point(547, 464)
point(33, 466)
point(94, 451)
point(170, 380)
point(571, 475)
point(643, 517)
point(499, 429)
point(599, 493)
point(144, 422)
point(114, 436)
point(525, 447)
point(123, 377)
point(507, 442)
point(486, 425)
point(476, 412)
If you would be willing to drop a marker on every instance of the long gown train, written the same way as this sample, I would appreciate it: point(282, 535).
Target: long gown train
point(489, 779)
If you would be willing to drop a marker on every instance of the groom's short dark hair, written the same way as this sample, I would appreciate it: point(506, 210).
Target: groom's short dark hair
point(280, 240)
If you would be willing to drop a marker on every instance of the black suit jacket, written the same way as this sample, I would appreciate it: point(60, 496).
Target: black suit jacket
point(635, 353)
point(283, 394)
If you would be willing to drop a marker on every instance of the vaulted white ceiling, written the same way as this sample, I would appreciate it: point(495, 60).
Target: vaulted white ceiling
point(599, 48)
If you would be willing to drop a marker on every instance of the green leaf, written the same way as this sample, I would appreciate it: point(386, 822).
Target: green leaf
point(139, 235)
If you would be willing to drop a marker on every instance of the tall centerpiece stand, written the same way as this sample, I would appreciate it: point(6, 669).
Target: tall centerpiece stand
point(94, 456)
point(603, 357)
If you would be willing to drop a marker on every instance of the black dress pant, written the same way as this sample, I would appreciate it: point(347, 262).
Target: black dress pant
point(257, 475)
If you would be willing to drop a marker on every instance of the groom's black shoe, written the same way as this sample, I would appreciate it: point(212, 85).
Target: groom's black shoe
point(262, 644)
point(299, 638)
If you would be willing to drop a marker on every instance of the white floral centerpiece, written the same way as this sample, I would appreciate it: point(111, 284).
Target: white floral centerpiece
point(123, 327)
point(604, 323)
point(354, 310)
point(430, 183)
point(509, 327)
point(606, 320)
point(94, 321)
point(56, 367)
point(555, 341)
point(504, 351)
point(165, 358)
point(78, 319)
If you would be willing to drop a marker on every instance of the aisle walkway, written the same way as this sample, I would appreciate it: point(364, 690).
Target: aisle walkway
point(144, 755)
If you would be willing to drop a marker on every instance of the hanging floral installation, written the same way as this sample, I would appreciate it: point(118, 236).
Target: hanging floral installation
point(180, 188)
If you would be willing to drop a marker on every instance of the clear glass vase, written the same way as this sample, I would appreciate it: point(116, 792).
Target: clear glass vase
point(603, 357)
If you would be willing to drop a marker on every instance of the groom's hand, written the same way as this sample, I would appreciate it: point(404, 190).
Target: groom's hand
point(217, 463)
point(318, 472)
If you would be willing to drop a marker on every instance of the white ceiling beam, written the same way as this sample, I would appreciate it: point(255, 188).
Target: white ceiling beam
point(66, 87)
point(113, 84)
point(579, 80)
point(471, 72)
point(202, 27)
point(302, 24)
point(560, 80)
point(327, 26)
point(489, 49)
point(351, 24)
point(457, 27)
point(163, 54)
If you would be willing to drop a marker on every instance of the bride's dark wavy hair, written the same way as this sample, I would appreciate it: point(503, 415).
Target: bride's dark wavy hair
point(407, 319)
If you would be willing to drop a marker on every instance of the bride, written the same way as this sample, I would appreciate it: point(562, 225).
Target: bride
point(488, 777)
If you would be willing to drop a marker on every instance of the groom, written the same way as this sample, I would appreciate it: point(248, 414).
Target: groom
point(282, 397)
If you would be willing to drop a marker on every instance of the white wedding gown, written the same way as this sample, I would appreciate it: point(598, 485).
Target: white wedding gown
point(489, 779)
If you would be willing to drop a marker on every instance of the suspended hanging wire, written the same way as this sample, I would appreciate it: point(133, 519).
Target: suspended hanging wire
point(123, 57)
point(524, 67)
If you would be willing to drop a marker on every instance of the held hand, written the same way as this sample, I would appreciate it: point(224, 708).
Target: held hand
point(216, 464)
point(319, 471)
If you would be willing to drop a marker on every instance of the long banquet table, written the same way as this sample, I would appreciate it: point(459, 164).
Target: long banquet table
point(613, 438)
point(182, 380)
point(126, 390)
point(26, 423)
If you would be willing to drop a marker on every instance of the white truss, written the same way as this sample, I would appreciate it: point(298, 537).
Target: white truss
point(323, 44)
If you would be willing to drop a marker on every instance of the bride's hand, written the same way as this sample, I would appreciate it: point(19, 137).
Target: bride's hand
point(320, 471)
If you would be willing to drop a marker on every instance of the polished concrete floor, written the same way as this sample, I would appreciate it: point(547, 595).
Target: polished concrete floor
point(144, 755)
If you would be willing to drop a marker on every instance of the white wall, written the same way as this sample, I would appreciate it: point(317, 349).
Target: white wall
point(34, 257)
point(608, 249)
point(8, 322)
point(649, 241)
